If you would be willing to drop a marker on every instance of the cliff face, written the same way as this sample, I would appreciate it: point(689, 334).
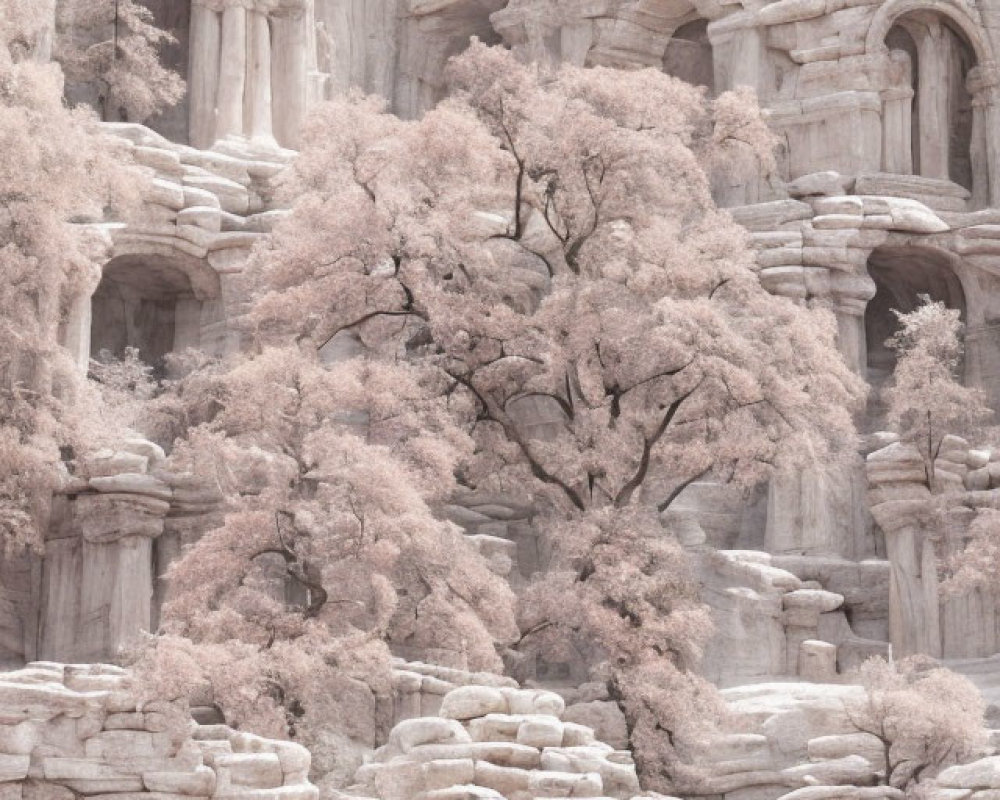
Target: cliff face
point(888, 188)
point(71, 731)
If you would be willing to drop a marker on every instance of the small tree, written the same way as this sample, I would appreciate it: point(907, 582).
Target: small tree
point(622, 594)
point(114, 45)
point(977, 564)
point(925, 718)
point(925, 399)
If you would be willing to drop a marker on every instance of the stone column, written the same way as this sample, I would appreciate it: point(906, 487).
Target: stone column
point(934, 82)
point(76, 338)
point(203, 80)
point(232, 72)
point(46, 35)
point(290, 75)
point(258, 93)
point(897, 112)
point(983, 84)
point(898, 499)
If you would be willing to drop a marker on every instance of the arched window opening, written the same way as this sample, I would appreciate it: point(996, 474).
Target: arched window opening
point(902, 275)
point(146, 303)
point(927, 110)
point(688, 55)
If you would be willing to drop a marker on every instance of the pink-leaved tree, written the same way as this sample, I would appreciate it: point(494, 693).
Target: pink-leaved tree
point(925, 399)
point(548, 244)
point(924, 717)
point(330, 555)
point(113, 47)
point(56, 167)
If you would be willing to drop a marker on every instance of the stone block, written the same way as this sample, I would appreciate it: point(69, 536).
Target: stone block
point(253, 770)
point(20, 739)
point(576, 735)
point(14, 767)
point(90, 772)
point(109, 462)
point(134, 721)
point(540, 732)
point(819, 183)
point(978, 480)
point(292, 756)
point(534, 701)
point(427, 730)
point(506, 780)
point(565, 784)
point(836, 221)
point(447, 773)
point(851, 770)
point(818, 600)
point(981, 774)
point(199, 783)
point(467, 702)
point(495, 728)
point(207, 218)
point(504, 754)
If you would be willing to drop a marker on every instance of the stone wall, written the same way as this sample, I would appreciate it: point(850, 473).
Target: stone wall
point(920, 619)
point(69, 730)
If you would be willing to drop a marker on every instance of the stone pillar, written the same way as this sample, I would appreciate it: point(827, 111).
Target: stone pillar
point(979, 154)
point(290, 75)
point(897, 112)
point(203, 80)
point(76, 337)
point(258, 95)
point(983, 84)
point(46, 35)
point(933, 107)
point(898, 501)
point(131, 597)
point(232, 72)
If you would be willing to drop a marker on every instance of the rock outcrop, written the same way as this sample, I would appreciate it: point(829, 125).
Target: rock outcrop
point(80, 730)
point(492, 743)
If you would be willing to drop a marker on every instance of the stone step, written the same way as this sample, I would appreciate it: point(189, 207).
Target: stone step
point(253, 770)
point(298, 792)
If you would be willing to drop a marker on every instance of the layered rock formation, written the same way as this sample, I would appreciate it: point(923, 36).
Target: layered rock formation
point(888, 187)
point(68, 731)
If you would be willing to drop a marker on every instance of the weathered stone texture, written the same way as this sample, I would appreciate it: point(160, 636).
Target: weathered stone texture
point(70, 730)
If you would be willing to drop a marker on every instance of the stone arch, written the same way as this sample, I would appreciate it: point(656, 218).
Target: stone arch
point(152, 302)
point(927, 112)
point(956, 12)
point(901, 274)
point(688, 54)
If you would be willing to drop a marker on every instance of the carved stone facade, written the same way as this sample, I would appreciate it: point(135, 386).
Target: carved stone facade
point(888, 187)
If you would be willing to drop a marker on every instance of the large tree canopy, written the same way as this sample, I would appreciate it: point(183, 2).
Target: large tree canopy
point(546, 243)
point(552, 238)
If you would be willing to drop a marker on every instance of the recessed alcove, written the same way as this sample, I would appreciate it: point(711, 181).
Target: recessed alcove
point(929, 132)
point(902, 275)
point(145, 302)
point(688, 55)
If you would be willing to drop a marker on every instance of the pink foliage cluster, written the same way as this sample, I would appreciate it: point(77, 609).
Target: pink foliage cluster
point(545, 244)
point(114, 46)
point(925, 717)
point(56, 167)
